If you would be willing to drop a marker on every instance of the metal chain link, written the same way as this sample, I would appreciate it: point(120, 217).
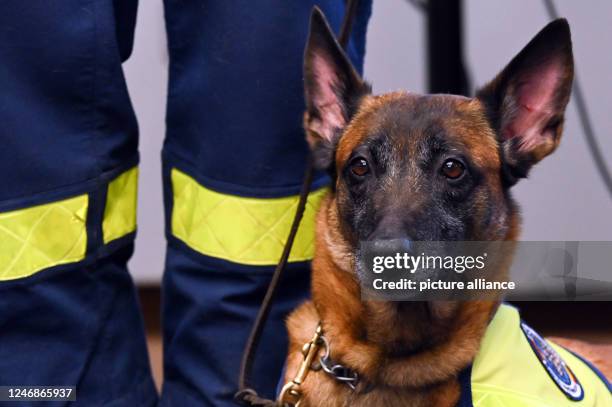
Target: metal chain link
point(339, 372)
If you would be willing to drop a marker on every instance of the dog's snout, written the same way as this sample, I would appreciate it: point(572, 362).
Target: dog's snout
point(405, 245)
point(391, 231)
point(401, 245)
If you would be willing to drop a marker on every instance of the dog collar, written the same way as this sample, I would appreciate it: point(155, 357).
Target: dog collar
point(291, 393)
point(337, 371)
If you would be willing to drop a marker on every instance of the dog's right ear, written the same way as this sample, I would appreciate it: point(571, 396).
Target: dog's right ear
point(332, 88)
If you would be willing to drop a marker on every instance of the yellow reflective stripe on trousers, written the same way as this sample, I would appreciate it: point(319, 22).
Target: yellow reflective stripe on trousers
point(42, 236)
point(249, 231)
point(121, 201)
point(39, 237)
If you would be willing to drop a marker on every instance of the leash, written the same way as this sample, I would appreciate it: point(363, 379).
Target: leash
point(246, 395)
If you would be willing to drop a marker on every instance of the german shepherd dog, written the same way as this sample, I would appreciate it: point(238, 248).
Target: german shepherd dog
point(423, 168)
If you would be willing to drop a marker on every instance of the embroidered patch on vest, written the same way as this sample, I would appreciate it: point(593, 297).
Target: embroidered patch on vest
point(556, 367)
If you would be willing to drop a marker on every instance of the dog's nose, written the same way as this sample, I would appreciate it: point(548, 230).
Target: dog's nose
point(405, 245)
point(395, 245)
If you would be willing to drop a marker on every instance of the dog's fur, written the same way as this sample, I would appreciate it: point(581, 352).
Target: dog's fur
point(410, 353)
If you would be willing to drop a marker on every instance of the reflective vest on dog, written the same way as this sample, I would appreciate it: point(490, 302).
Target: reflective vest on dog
point(517, 367)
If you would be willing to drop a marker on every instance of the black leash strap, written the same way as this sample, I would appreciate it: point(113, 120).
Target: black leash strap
point(247, 396)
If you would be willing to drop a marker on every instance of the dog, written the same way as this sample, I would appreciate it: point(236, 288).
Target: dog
point(419, 168)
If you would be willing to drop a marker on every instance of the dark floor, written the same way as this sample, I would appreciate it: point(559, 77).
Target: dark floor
point(588, 321)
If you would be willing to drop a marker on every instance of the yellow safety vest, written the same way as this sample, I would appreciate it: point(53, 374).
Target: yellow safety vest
point(516, 367)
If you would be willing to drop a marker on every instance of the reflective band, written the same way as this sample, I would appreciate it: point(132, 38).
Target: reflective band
point(121, 201)
point(42, 236)
point(249, 231)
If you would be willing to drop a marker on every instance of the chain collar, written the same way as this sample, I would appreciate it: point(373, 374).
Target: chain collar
point(291, 394)
point(339, 372)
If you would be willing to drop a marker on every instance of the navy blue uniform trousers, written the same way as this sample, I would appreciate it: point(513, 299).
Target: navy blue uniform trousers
point(69, 313)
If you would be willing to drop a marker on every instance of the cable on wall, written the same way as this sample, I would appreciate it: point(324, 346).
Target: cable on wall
point(585, 119)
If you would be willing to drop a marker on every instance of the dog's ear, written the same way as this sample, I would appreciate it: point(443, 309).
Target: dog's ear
point(332, 88)
point(526, 101)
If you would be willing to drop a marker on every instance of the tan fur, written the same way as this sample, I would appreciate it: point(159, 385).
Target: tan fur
point(360, 332)
point(361, 125)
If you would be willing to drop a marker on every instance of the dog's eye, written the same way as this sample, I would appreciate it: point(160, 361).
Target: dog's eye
point(359, 166)
point(452, 169)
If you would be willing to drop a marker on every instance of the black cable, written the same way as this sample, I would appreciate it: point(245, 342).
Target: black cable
point(585, 119)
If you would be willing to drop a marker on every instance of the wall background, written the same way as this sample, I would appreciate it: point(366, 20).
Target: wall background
point(564, 198)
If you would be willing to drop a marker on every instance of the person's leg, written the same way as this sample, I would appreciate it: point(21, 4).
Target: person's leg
point(234, 159)
point(69, 314)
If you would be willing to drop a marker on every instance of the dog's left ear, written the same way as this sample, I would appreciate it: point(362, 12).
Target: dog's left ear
point(332, 88)
point(526, 101)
